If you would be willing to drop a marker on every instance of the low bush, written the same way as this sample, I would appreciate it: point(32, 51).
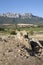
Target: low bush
point(2, 29)
point(13, 32)
point(31, 32)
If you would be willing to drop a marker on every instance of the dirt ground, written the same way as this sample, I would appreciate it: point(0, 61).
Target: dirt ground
point(14, 53)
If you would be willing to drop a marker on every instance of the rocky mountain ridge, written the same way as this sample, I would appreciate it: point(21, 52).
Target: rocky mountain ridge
point(14, 18)
point(16, 15)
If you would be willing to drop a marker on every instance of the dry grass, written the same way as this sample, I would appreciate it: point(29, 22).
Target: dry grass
point(37, 36)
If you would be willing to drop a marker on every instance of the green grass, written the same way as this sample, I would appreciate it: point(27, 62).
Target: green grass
point(8, 28)
point(32, 28)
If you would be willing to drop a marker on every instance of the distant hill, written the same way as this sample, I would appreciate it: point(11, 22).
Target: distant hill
point(26, 18)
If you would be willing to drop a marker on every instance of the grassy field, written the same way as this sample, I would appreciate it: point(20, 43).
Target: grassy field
point(33, 32)
point(8, 28)
point(32, 28)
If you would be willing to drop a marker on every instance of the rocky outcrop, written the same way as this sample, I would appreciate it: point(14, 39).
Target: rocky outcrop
point(36, 46)
point(31, 44)
point(23, 39)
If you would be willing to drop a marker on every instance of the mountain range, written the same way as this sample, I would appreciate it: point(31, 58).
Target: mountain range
point(15, 18)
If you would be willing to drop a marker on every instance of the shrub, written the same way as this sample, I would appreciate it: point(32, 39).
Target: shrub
point(31, 32)
point(13, 32)
point(1, 29)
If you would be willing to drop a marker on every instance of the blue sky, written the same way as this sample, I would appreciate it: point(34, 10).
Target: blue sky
point(21, 6)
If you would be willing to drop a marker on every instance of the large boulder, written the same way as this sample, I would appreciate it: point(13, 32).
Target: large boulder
point(23, 40)
point(36, 46)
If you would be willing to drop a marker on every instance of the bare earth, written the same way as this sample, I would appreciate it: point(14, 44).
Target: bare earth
point(14, 53)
